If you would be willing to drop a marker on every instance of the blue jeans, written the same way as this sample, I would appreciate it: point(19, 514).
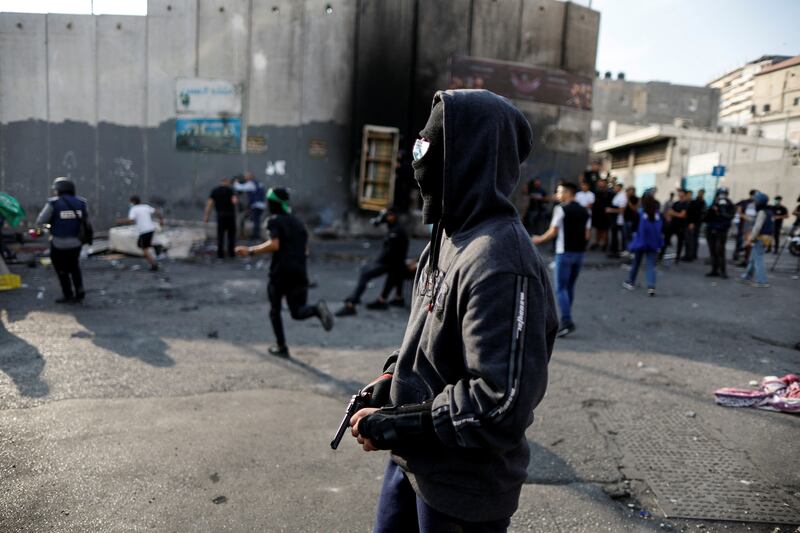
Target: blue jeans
point(756, 264)
point(568, 266)
point(400, 510)
point(650, 273)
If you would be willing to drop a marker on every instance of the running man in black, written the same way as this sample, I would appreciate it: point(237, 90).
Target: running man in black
point(288, 243)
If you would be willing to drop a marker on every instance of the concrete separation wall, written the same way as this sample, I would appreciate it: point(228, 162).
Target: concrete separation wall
point(93, 97)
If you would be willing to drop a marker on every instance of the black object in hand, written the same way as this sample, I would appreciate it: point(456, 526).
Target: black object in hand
point(375, 394)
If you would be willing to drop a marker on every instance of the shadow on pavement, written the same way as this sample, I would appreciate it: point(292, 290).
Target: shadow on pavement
point(547, 468)
point(23, 363)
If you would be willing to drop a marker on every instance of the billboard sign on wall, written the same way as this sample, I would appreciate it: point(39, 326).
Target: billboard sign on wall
point(519, 81)
point(209, 134)
point(210, 98)
point(209, 115)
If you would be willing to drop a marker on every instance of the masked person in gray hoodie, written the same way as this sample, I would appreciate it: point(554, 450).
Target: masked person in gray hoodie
point(473, 362)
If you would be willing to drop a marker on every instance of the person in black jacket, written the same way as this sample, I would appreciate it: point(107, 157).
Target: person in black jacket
point(696, 212)
point(65, 213)
point(288, 278)
point(473, 362)
point(391, 262)
point(718, 219)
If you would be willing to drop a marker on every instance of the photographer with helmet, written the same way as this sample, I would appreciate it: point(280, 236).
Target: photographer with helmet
point(68, 217)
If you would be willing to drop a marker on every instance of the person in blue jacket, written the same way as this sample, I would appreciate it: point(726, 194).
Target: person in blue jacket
point(646, 243)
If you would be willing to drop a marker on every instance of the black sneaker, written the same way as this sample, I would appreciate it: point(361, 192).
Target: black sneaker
point(65, 300)
point(378, 305)
point(279, 351)
point(397, 302)
point(325, 315)
point(565, 330)
point(346, 310)
point(153, 268)
point(712, 275)
point(79, 296)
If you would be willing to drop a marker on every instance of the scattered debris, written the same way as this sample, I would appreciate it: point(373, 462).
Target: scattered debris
point(214, 478)
point(213, 334)
point(773, 394)
point(220, 499)
point(691, 414)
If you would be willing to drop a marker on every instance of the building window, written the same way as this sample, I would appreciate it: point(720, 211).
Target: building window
point(766, 108)
point(797, 100)
point(650, 153)
point(619, 159)
point(753, 109)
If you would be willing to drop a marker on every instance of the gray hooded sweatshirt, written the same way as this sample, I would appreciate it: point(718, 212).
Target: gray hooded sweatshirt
point(482, 321)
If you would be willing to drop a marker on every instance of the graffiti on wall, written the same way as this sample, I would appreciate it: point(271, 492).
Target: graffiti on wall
point(521, 81)
point(275, 168)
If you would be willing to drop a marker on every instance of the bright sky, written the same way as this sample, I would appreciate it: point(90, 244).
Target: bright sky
point(101, 7)
point(692, 41)
point(680, 41)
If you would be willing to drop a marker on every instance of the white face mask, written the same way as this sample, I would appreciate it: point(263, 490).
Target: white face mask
point(420, 149)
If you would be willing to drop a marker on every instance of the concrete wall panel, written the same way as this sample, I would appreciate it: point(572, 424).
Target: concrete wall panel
point(496, 29)
point(23, 108)
point(328, 44)
point(223, 39)
point(541, 32)
point(73, 154)
point(384, 67)
point(171, 53)
point(581, 39)
point(24, 164)
point(440, 36)
point(23, 67)
point(275, 96)
point(71, 68)
point(121, 70)
point(121, 169)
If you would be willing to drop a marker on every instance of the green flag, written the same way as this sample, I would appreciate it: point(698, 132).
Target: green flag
point(10, 209)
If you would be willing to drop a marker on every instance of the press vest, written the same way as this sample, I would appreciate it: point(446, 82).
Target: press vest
point(67, 214)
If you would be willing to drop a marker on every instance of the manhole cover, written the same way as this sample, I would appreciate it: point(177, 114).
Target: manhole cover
point(692, 474)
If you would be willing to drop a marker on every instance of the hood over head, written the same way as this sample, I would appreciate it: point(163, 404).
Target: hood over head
point(478, 140)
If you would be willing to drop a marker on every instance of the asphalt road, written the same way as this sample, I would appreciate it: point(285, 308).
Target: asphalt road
point(155, 405)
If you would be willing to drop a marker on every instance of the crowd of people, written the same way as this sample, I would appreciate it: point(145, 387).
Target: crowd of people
point(642, 230)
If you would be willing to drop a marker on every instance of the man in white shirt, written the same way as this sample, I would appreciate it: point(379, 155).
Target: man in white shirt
point(571, 227)
point(585, 197)
point(619, 202)
point(142, 216)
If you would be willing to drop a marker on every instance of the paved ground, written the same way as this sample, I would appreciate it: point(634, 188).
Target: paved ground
point(155, 406)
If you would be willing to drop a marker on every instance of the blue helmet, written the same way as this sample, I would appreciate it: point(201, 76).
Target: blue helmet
point(760, 199)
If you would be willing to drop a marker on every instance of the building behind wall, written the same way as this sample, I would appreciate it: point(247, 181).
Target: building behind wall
point(736, 91)
point(654, 102)
point(776, 101)
point(668, 157)
point(94, 97)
